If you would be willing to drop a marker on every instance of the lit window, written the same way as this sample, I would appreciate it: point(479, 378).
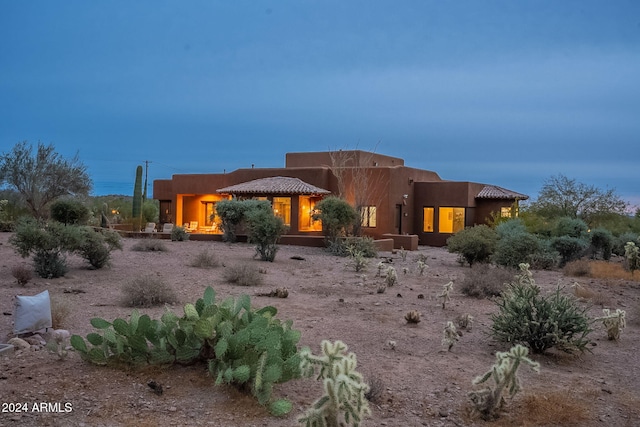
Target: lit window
point(282, 208)
point(451, 220)
point(505, 212)
point(427, 225)
point(368, 216)
point(307, 206)
point(210, 215)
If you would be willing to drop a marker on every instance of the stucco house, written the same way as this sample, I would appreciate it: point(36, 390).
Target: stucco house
point(395, 200)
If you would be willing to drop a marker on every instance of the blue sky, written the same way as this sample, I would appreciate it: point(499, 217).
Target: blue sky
point(501, 92)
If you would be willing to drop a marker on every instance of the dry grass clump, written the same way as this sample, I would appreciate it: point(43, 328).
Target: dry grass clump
point(484, 280)
point(147, 291)
point(243, 275)
point(610, 270)
point(205, 259)
point(60, 310)
point(149, 245)
point(585, 293)
point(22, 274)
point(577, 268)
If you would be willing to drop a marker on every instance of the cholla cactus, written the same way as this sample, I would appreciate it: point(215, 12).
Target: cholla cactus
point(380, 267)
point(344, 402)
point(450, 335)
point(445, 294)
point(421, 267)
point(632, 255)
point(614, 322)
point(59, 342)
point(465, 321)
point(403, 253)
point(381, 288)
point(412, 316)
point(488, 401)
point(405, 270)
point(358, 260)
point(392, 277)
point(525, 277)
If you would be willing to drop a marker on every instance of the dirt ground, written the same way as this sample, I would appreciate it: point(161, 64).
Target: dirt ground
point(422, 384)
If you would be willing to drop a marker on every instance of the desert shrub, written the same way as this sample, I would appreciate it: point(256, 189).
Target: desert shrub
point(577, 268)
point(47, 242)
point(96, 246)
point(541, 322)
point(614, 322)
point(205, 259)
point(243, 275)
point(249, 348)
point(231, 213)
point(149, 245)
point(572, 227)
point(49, 264)
point(21, 273)
point(337, 215)
point(376, 390)
point(621, 240)
point(344, 401)
point(69, 212)
point(147, 291)
point(474, 244)
point(179, 234)
point(569, 248)
point(510, 227)
point(545, 258)
point(515, 248)
point(484, 280)
point(363, 245)
point(60, 310)
point(264, 229)
point(601, 243)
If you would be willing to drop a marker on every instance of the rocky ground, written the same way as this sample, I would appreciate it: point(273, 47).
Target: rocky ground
point(421, 383)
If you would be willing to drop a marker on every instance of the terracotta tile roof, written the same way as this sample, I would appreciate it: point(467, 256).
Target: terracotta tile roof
point(495, 192)
point(274, 185)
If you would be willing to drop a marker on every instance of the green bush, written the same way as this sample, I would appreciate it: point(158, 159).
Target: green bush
point(601, 243)
point(541, 322)
point(620, 241)
point(179, 234)
point(572, 227)
point(249, 348)
point(48, 243)
point(231, 213)
point(337, 216)
point(69, 212)
point(96, 246)
point(545, 258)
point(515, 245)
point(474, 244)
point(264, 228)
point(569, 248)
point(49, 264)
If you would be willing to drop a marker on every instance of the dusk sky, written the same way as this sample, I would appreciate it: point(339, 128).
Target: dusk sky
point(500, 92)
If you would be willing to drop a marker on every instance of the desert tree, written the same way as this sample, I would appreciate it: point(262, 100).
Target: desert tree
point(357, 180)
point(43, 176)
point(564, 197)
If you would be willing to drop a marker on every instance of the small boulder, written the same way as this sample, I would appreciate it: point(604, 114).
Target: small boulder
point(19, 343)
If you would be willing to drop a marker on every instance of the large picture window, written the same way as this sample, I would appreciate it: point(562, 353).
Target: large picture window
point(450, 220)
point(427, 220)
point(282, 208)
point(368, 215)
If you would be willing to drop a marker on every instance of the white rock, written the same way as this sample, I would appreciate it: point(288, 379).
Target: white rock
point(19, 343)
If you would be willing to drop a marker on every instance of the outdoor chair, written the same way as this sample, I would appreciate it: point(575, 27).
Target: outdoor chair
point(167, 228)
point(150, 228)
